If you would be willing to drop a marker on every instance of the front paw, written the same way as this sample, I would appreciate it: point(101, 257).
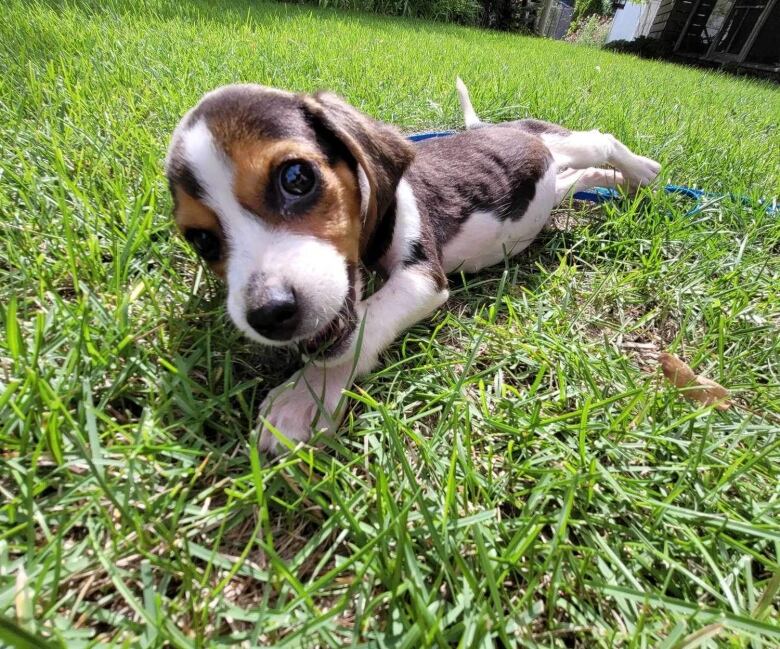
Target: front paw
point(294, 410)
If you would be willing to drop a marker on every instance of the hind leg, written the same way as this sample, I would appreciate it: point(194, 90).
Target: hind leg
point(584, 149)
point(573, 180)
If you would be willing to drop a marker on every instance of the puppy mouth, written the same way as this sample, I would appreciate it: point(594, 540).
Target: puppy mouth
point(333, 337)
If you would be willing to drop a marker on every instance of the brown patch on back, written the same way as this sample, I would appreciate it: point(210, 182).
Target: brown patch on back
point(538, 127)
point(493, 168)
point(189, 213)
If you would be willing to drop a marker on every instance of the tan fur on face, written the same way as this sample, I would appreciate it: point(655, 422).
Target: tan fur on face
point(191, 213)
point(253, 161)
point(335, 217)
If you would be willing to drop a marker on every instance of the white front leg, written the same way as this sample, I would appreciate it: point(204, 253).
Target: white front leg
point(407, 297)
point(311, 399)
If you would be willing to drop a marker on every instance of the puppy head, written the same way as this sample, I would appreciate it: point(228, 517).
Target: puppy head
point(279, 194)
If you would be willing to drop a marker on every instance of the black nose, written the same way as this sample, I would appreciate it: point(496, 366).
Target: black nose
point(277, 317)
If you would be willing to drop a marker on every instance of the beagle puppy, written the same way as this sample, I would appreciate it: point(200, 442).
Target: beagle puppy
point(290, 197)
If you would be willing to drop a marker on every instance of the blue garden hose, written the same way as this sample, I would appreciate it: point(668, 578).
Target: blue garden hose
point(419, 137)
point(605, 194)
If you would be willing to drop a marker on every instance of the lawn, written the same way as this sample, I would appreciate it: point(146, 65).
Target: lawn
point(517, 473)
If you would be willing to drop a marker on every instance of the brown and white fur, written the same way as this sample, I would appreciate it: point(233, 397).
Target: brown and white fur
point(289, 197)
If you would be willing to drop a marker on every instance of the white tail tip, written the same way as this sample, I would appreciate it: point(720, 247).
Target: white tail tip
point(469, 116)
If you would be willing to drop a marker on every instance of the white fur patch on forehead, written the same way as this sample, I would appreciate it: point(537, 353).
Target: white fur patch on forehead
point(184, 126)
point(210, 166)
point(214, 171)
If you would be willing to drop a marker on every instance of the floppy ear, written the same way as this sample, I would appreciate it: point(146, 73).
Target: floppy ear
point(380, 152)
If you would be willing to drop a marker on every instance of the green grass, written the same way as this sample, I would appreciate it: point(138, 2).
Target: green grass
point(515, 474)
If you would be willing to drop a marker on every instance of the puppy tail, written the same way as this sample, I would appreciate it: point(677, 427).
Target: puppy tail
point(469, 116)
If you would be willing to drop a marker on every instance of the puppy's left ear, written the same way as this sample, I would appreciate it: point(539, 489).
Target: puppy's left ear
point(380, 151)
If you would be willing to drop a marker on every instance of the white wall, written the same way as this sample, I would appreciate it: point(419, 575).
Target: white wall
point(633, 20)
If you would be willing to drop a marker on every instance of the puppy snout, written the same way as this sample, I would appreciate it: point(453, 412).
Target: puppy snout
point(277, 316)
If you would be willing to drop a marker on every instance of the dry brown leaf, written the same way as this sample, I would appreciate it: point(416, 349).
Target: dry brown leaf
point(693, 386)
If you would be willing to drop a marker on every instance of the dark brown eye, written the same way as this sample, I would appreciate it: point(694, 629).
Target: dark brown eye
point(297, 178)
point(206, 243)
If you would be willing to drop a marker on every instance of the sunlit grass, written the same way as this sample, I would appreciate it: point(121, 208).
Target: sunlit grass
point(515, 473)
